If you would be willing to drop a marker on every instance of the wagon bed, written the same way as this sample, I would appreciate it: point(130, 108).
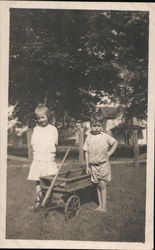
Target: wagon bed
point(64, 193)
point(68, 181)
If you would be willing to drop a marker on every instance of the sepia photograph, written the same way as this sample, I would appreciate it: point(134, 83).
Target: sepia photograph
point(77, 125)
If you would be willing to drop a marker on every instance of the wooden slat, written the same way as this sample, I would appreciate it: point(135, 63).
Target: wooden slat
point(71, 184)
point(70, 187)
point(69, 178)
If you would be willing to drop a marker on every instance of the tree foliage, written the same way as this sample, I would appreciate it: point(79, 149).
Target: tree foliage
point(72, 58)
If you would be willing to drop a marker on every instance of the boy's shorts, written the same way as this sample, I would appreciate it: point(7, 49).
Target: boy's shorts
point(101, 172)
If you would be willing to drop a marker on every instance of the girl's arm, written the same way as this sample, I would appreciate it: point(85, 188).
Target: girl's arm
point(33, 136)
point(55, 135)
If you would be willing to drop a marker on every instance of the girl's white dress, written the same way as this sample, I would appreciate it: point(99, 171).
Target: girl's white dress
point(43, 141)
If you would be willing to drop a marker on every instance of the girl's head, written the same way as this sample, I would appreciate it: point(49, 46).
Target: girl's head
point(42, 115)
point(96, 123)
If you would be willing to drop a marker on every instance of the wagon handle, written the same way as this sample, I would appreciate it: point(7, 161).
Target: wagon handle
point(54, 179)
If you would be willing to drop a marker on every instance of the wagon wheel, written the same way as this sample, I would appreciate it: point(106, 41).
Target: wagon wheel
point(72, 206)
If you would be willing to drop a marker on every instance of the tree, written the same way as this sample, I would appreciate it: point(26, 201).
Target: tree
point(71, 58)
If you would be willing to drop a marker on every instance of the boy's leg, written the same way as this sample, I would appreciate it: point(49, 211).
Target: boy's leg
point(103, 193)
point(108, 187)
point(99, 197)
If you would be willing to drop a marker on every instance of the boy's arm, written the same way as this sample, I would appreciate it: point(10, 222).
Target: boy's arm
point(87, 162)
point(113, 148)
point(85, 148)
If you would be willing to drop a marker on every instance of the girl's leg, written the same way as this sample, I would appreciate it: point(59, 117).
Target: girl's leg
point(99, 197)
point(37, 189)
point(37, 199)
point(103, 190)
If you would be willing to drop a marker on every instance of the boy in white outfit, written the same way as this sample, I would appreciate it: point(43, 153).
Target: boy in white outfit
point(98, 148)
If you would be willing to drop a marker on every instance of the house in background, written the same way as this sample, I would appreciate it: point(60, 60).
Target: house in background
point(115, 125)
point(123, 134)
point(112, 116)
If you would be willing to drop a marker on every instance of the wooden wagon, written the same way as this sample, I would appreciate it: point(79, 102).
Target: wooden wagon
point(65, 190)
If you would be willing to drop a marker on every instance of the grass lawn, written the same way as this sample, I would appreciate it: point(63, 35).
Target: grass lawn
point(124, 221)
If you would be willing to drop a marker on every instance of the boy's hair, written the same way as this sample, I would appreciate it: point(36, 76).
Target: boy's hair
point(96, 117)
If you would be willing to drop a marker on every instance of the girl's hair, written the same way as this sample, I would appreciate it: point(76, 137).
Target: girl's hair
point(41, 109)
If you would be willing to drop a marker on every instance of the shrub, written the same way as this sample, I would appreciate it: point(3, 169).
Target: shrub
point(128, 151)
point(122, 151)
point(18, 150)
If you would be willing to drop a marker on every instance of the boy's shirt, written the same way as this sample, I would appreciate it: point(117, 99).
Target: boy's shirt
point(97, 147)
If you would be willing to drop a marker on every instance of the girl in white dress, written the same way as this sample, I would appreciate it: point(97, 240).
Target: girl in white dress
point(44, 140)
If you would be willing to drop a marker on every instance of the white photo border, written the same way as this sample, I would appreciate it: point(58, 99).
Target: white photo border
point(4, 72)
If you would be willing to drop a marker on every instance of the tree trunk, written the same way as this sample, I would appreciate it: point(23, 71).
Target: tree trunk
point(136, 148)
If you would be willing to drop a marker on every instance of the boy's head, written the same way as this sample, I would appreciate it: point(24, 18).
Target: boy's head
point(96, 123)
